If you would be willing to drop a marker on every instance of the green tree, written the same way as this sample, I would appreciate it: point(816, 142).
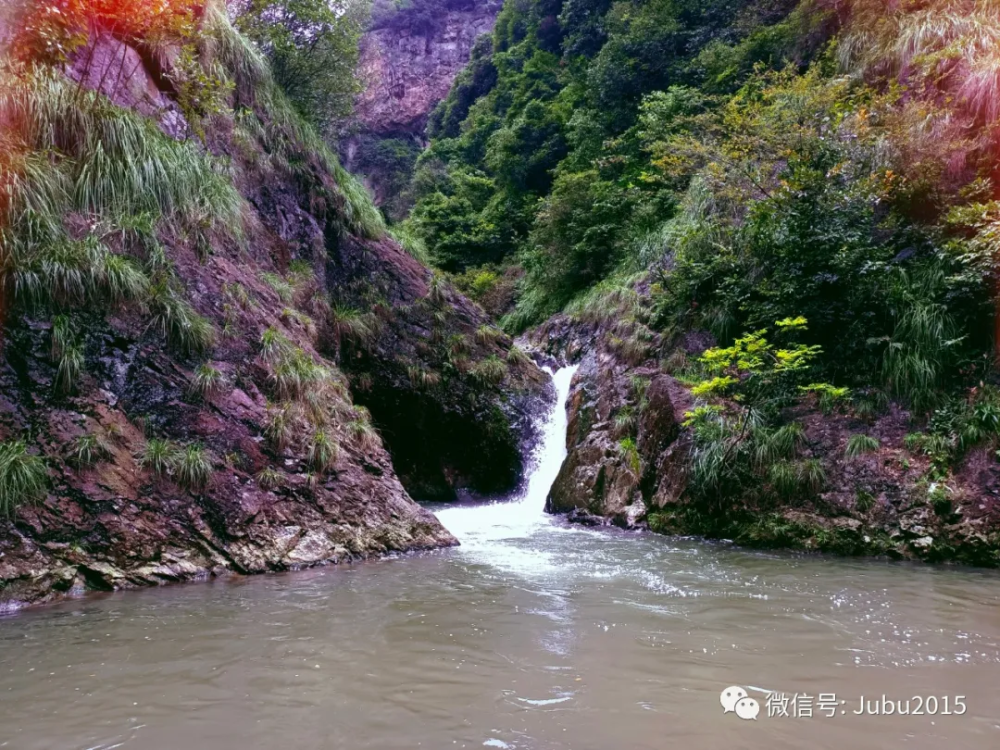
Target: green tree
point(313, 49)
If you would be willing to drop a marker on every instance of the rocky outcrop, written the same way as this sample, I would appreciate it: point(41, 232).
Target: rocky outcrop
point(454, 405)
point(622, 432)
point(629, 458)
point(119, 71)
point(110, 521)
point(409, 59)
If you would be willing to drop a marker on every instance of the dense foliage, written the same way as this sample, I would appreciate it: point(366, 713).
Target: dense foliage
point(312, 48)
point(755, 161)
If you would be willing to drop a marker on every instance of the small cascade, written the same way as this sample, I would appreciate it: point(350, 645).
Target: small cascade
point(520, 516)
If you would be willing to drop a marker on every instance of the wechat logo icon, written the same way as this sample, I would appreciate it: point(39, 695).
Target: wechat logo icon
point(734, 699)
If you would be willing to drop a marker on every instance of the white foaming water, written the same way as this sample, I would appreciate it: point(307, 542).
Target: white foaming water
point(480, 527)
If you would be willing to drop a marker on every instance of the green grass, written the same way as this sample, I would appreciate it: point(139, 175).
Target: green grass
point(859, 445)
point(517, 357)
point(279, 428)
point(630, 453)
point(269, 479)
point(348, 324)
point(437, 290)
point(274, 346)
point(411, 243)
point(62, 335)
point(90, 448)
point(281, 287)
point(487, 335)
point(63, 273)
point(69, 369)
point(23, 477)
point(362, 432)
point(175, 319)
point(780, 444)
point(625, 421)
point(295, 374)
point(490, 371)
point(159, 457)
point(192, 468)
point(206, 381)
point(322, 451)
point(795, 480)
point(115, 161)
point(238, 294)
point(422, 378)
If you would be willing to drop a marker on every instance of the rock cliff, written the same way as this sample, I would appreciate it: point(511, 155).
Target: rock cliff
point(409, 59)
point(250, 452)
point(630, 458)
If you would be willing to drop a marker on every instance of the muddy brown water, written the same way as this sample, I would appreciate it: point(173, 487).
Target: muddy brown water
point(532, 635)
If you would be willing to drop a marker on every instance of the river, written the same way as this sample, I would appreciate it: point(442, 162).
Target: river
point(531, 635)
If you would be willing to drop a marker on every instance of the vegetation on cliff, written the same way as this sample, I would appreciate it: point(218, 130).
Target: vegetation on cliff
point(196, 298)
point(662, 167)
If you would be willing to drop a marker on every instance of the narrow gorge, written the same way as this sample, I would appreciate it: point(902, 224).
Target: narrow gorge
point(582, 374)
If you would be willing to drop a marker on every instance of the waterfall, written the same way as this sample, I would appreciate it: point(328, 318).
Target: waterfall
point(525, 513)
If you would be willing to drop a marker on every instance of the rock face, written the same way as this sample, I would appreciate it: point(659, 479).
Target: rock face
point(408, 63)
point(614, 466)
point(449, 424)
point(119, 72)
point(409, 59)
point(110, 522)
point(629, 459)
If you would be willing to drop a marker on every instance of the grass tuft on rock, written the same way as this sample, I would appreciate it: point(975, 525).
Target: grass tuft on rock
point(23, 477)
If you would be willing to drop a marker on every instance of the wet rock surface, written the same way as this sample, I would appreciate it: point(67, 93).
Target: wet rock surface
point(630, 457)
point(614, 447)
point(110, 523)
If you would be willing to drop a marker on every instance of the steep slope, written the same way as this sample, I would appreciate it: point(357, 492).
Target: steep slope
point(774, 226)
point(409, 59)
point(174, 279)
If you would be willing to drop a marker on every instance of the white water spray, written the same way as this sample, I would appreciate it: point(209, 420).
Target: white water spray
point(477, 526)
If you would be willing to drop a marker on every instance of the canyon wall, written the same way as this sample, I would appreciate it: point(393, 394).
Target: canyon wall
point(253, 451)
point(409, 59)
